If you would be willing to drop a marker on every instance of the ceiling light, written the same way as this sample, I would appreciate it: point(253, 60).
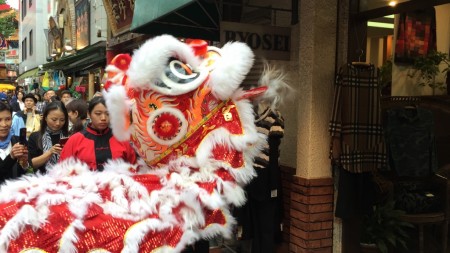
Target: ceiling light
point(392, 3)
point(380, 25)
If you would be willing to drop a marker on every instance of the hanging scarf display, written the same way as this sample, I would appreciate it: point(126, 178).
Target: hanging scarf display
point(45, 81)
point(55, 80)
point(62, 80)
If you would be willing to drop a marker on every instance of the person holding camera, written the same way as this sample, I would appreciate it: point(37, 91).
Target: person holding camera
point(43, 146)
point(29, 117)
point(13, 154)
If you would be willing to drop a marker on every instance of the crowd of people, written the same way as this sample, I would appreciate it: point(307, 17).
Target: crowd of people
point(37, 133)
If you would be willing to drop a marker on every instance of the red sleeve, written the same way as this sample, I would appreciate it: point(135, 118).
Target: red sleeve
point(131, 153)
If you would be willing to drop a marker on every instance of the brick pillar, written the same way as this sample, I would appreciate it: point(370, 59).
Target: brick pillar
point(311, 212)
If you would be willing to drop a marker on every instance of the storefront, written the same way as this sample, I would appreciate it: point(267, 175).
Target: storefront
point(375, 35)
point(81, 72)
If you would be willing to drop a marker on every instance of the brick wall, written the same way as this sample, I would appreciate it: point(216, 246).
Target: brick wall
point(311, 215)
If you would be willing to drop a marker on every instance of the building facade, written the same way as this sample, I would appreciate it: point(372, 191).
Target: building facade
point(69, 47)
point(33, 22)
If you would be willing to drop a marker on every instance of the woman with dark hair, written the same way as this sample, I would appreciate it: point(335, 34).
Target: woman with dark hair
point(18, 104)
point(43, 146)
point(13, 155)
point(39, 104)
point(96, 144)
point(77, 110)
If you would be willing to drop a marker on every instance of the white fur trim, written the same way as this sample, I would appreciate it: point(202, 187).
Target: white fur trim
point(69, 237)
point(230, 69)
point(116, 102)
point(217, 229)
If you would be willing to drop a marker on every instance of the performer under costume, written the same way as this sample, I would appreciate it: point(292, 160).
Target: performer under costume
point(261, 217)
point(181, 107)
point(264, 192)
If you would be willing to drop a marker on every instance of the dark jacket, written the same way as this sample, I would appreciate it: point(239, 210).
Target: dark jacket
point(10, 168)
point(35, 148)
point(15, 107)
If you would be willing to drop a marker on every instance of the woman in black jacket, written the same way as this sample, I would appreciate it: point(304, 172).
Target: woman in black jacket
point(13, 156)
point(44, 148)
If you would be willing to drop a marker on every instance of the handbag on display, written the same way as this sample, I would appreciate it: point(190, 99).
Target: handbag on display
point(45, 81)
point(62, 80)
point(55, 80)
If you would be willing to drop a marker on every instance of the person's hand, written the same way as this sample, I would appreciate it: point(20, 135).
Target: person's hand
point(56, 149)
point(18, 151)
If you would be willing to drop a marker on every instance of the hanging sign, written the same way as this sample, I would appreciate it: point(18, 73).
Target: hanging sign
point(120, 15)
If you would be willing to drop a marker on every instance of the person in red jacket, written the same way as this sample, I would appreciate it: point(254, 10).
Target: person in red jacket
point(96, 144)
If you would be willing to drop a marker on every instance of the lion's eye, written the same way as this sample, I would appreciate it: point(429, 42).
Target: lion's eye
point(179, 78)
point(179, 72)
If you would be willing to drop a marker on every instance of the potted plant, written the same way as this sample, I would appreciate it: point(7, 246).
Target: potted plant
point(426, 68)
point(385, 78)
point(384, 229)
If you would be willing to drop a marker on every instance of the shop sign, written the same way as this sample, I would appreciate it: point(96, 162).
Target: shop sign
point(120, 15)
point(270, 42)
point(12, 56)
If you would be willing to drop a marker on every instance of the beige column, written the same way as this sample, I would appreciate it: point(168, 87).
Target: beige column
point(317, 51)
point(312, 188)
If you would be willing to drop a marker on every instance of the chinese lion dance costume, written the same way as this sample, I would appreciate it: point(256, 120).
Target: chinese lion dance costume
point(181, 106)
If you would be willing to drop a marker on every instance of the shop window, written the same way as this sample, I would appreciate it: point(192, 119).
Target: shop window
point(24, 8)
point(24, 49)
point(31, 42)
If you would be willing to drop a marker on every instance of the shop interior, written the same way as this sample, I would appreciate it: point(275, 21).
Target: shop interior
point(409, 43)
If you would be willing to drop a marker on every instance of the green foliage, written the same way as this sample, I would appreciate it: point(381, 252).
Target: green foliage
point(428, 68)
point(75, 94)
point(8, 23)
point(386, 74)
point(384, 228)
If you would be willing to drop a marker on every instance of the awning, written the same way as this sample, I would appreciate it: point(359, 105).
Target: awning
point(7, 86)
point(180, 18)
point(86, 56)
point(29, 73)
